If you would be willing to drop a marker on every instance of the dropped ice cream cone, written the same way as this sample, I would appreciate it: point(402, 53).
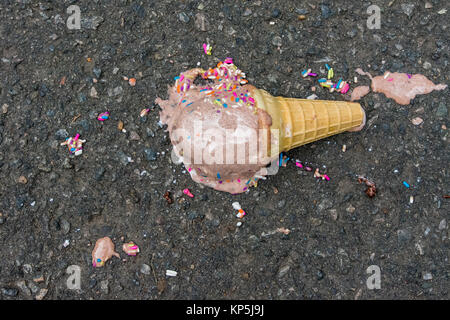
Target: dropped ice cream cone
point(227, 132)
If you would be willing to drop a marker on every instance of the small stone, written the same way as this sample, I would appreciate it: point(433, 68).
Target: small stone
point(134, 136)
point(442, 224)
point(277, 41)
point(65, 225)
point(22, 180)
point(150, 155)
point(27, 268)
point(417, 121)
point(67, 164)
point(408, 9)
point(350, 209)
point(428, 5)
point(115, 70)
point(301, 11)
point(419, 248)
point(247, 12)
point(98, 72)
point(4, 108)
point(161, 285)
point(145, 269)
point(10, 292)
point(283, 271)
point(99, 172)
point(441, 110)
point(325, 204)
point(201, 23)
point(90, 22)
point(104, 286)
point(275, 13)
point(315, 222)
point(427, 276)
point(92, 283)
point(334, 214)
point(183, 17)
point(326, 11)
point(150, 133)
point(61, 134)
point(281, 203)
point(124, 159)
point(320, 275)
point(42, 294)
point(44, 168)
point(34, 288)
point(23, 287)
point(427, 65)
point(93, 93)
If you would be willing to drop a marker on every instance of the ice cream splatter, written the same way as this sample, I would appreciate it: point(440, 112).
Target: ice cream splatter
point(130, 248)
point(103, 251)
point(359, 92)
point(402, 87)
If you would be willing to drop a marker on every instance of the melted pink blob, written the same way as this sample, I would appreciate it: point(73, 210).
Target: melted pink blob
point(359, 92)
point(402, 87)
point(103, 251)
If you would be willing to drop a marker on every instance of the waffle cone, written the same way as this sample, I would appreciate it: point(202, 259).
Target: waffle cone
point(301, 121)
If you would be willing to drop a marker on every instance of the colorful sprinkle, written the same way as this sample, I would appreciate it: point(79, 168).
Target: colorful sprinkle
point(188, 193)
point(207, 49)
point(144, 112)
point(103, 116)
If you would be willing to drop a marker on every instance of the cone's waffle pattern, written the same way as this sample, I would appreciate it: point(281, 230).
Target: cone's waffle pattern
point(301, 121)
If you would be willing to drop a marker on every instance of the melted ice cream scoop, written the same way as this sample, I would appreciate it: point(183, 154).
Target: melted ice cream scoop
point(402, 87)
point(103, 251)
point(214, 126)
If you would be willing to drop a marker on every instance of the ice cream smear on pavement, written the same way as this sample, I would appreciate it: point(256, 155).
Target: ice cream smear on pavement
point(103, 251)
point(229, 134)
point(402, 87)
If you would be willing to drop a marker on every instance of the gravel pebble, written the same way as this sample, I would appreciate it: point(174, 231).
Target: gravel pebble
point(145, 269)
point(183, 17)
point(10, 292)
point(277, 41)
point(41, 295)
point(408, 9)
point(150, 155)
point(441, 110)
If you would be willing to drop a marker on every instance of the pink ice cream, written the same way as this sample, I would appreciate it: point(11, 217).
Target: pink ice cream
point(214, 126)
point(359, 92)
point(103, 251)
point(402, 87)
